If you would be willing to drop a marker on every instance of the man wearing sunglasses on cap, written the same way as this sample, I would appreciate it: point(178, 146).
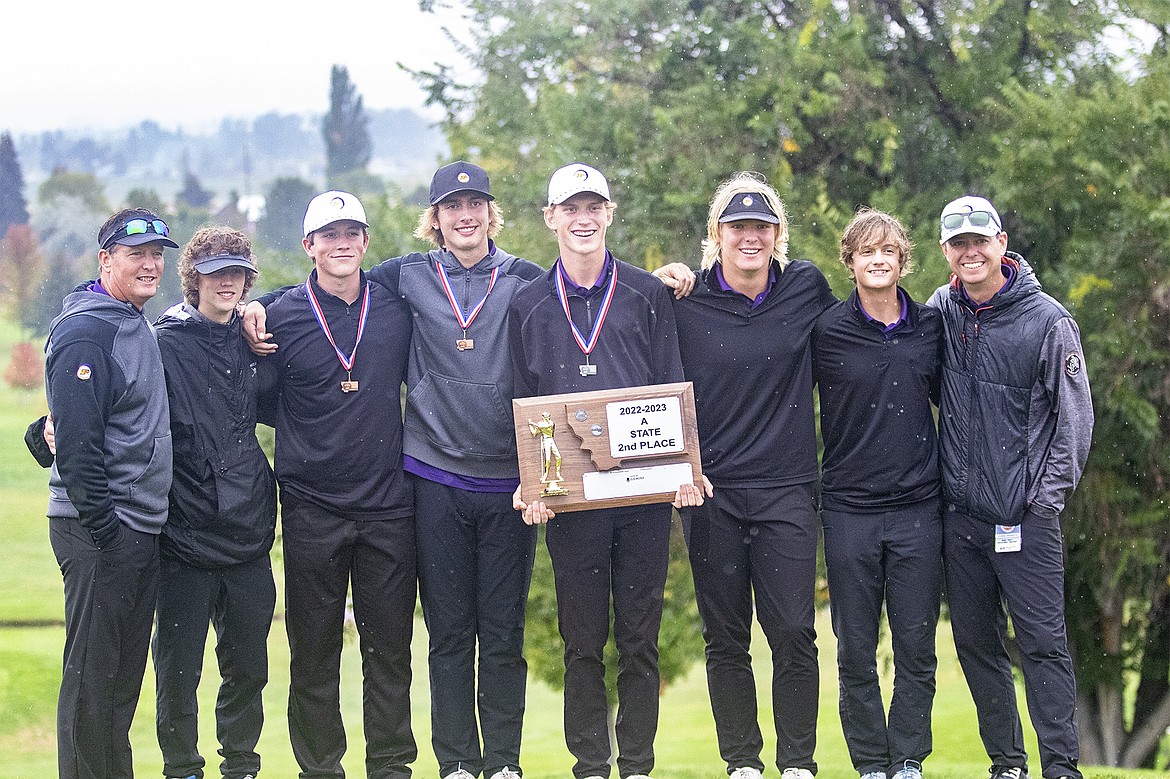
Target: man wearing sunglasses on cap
point(1015, 424)
point(107, 490)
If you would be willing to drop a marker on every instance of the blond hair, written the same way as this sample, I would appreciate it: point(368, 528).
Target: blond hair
point(744, 181)
point(427, 227)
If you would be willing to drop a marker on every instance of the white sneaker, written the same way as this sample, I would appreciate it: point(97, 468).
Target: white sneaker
point(637, 776)
point(911, 769)
point(748, 773)
point(459, 773)
point(505, 773)
point(796, 773)
point(874, 775)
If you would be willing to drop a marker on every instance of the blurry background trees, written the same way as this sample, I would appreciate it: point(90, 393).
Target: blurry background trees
point(1059, 110)
point(13, 206)
point(1049, 107)
point(346, 131)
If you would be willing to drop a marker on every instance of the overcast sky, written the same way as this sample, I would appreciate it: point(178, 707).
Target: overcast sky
point(95, 65)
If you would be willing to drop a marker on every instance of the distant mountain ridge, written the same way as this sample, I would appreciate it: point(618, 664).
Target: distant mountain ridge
point(243, 154)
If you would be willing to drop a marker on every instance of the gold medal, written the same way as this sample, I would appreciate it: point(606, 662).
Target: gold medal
point(349, 386)
point(463, 344)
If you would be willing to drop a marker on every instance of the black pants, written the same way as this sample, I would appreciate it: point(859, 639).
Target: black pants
point(474, 567)
point(1030, 582)
point(761, 543)
point(620, 553)
point(109, 610)
point(323, 556)
point(238, 600)
point(892, 557)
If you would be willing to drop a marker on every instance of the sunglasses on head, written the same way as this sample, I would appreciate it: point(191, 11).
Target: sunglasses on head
point(138, 227)
point(974, 218)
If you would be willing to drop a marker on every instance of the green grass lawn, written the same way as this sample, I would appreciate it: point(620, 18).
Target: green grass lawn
point(30, 658)
point(686, 749)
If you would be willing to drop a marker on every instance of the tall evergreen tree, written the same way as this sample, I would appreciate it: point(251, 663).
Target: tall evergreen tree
point(13, 206)
point(193, 193)
point(345, 128)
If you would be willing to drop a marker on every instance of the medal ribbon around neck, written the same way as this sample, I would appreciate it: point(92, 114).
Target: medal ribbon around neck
point(587, 347)
point(465, 322)
point(346, 362)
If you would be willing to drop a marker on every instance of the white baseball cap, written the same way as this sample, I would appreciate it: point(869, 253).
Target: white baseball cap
point(969, 214)
point(333, 206)
point(573, 179)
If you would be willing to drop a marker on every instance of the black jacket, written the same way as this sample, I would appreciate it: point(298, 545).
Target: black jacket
point(877, 422)
point(341, 451)
point(637, 345)
point(223, 496)
point(1016, 417)
point(752, 371)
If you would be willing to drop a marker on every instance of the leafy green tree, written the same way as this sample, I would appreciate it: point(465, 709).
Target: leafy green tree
point(85, 187)
point(13, 206)
point(839, 104)
point(902, 106)
point(345, 129)
point(1088, 172)
point(144, 197)
point(71, 209)
point(284, 213)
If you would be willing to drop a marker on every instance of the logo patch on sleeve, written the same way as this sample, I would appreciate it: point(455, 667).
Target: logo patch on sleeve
point(1072, 365)
point(84, 372)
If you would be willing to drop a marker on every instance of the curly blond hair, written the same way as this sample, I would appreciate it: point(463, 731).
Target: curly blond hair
point(208, 241)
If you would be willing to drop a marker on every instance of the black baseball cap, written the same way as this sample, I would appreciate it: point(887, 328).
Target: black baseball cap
point(749, 205)
point(459, 177)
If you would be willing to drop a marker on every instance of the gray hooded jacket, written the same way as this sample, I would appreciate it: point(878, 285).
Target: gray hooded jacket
point(106, 392)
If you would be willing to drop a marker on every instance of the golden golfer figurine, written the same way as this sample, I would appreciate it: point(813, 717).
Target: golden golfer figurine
point(550, 456)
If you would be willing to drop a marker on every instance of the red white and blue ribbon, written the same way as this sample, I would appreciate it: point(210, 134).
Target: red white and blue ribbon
point(587, 346)
point(465, 322)
point(346, 362)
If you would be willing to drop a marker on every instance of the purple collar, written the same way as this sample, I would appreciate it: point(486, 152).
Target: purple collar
point(893, 326)
point(587, 292)
point(758, 299)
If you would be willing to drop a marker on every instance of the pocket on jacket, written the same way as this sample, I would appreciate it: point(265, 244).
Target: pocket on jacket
point(152, 487)
point(463, 416)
